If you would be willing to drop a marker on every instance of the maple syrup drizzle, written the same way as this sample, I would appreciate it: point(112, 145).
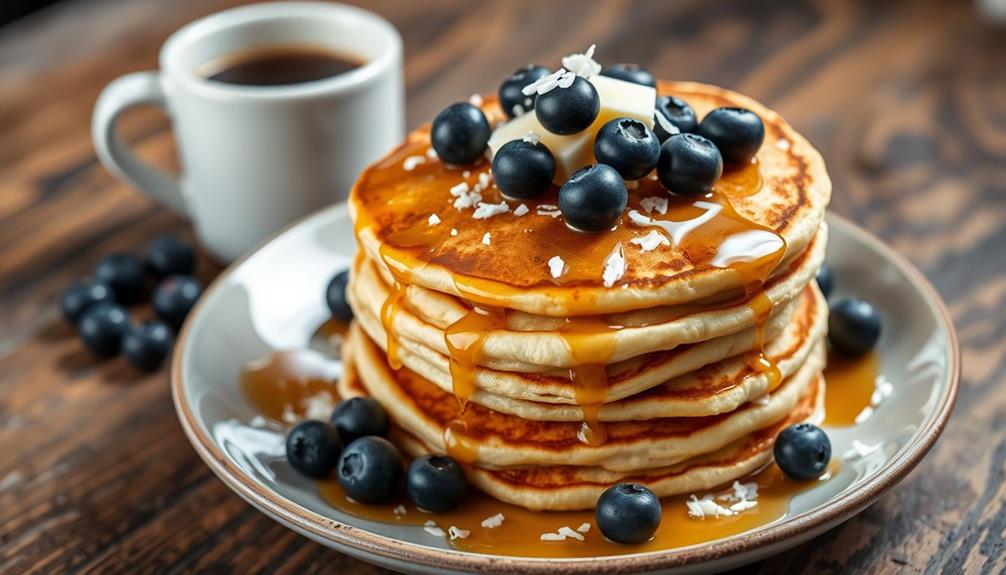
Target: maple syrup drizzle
point(389, 309)
point(851, 383)
point(591, 343)
point(281, 383)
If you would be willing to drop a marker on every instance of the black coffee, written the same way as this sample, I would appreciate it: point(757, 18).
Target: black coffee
point(276, 66)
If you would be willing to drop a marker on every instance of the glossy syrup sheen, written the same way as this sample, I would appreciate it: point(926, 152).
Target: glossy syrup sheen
point(851, 383)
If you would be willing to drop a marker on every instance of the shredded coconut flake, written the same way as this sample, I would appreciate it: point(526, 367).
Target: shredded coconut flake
point(532, 137)
point(864, 415)
point(883, 390)
point(486, 239)
point(288, 415)
point(258, 421)
point(651, 241)
point(484, 180)
point(582, 64)
point(431, 528)
point(493, 521)
point(651, 203)
point(521, 210)
point(583, 528)
point(565, 80)
point(454, 231)
point(456, 533)
point(431, 154)
point(706, 507)
point(551, 537)
point(433, 220)
point(318, 406)
point(466, 196)
point(567, 532)
point(475, 100)
point(543, 84)
point(556, 266)
point(400, 510)
point(411, 162)
point(614, 266)
point(485, 211)
point(548, 210)
point(466, 174)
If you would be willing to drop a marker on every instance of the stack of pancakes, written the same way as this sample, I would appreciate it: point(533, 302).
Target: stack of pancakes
point(668, 351)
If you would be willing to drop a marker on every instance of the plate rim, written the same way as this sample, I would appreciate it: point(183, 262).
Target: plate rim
point(344, 535)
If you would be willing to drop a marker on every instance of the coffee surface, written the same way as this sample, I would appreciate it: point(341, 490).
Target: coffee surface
point(279, 65)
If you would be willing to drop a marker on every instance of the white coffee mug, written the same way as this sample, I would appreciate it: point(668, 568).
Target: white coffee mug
point(255, 158)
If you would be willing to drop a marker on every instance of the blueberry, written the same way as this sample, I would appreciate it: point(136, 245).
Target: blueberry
point(126, 274)
point(825, 280)
point(628, 146)
point(81, 295)
point(593, 198)
point(169, 256)
point(313, 448)
point(335, 296)
point(566, 111)
point(737, 132)
point(677, 113)
point(689, 165)
point(523, 169)
point(147, 345)
point(802, 451)
point(510, 92)
point(174, 298)
point(628, 513)
point(102, 327)
point(360, 417)
point(630, 73)
point(853, 326)
point(370, 469)
point(435, 483)
point(460, 134)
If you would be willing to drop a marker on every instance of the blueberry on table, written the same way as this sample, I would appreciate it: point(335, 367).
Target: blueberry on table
point(675, 113)
point(147, 345)
point(853, 326)
point(523, 169)
point(360, 417)
point(628, 146)
point(313, 448)
point(169, 256)
point(370, 469)
point(593, 198)
point(82, 295)
point(630, 73)
point(126, 274)
point(569, 110)
point(174, 298)
point(511, 95)
point(335, 296)
point(825, 280)
point(802, 451)
point(689, 165)
point(460, 134)
point(435, 483)
point(102, 328)
point(628, 513)
point(737, 132)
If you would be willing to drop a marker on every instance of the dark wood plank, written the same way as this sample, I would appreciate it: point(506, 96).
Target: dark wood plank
point(906, 100)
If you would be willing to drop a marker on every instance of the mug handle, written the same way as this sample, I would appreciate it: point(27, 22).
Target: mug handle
point(136, 89)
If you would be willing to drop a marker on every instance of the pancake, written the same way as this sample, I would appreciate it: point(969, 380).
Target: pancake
point(554, 347)
point(716, 386)
point(758, 219)
point(500, 440)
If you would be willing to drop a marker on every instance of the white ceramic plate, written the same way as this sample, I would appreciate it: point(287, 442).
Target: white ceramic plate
point(274, 299)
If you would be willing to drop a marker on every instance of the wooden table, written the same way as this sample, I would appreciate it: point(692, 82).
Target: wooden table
point(906, 100)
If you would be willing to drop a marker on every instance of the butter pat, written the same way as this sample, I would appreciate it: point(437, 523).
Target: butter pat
point(619, 99)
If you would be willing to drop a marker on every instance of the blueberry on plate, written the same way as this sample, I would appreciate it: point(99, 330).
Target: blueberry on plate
point(82, 295)
point(523, 169)
point(630, 73)
point(370, 469)
point(628, 513)
point(511, 95)
point(853, 326)
point(689, 165)
point(737, 132)
point(147, 345)
point(335, 296)
point(169, 256)
point(360, 417)
point(435, 483)
point(102, 328)
point(628, 146)
point(126, 274)
point(174, 298)
point(593, 198)
point(825, 280)
point(570, 110)
point(672, 116)
point(802, 451)
point(313, 448)
point(460, 134)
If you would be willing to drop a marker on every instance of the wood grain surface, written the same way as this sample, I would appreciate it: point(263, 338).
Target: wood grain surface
point(906, 100)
